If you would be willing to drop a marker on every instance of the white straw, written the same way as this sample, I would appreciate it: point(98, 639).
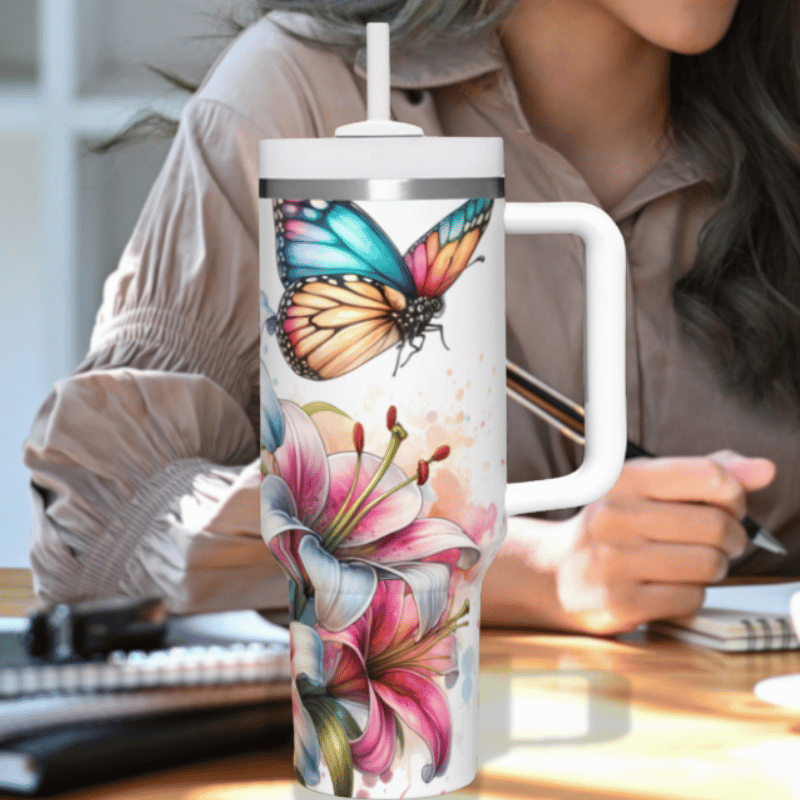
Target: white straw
point(378, 70)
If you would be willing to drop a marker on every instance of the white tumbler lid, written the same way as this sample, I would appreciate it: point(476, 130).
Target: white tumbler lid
point(379, 148)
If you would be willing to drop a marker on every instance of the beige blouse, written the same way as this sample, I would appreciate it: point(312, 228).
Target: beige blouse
point(144, 462)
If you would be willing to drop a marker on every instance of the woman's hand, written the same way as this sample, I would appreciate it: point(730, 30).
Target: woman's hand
point(645, 550)
point(667, 528)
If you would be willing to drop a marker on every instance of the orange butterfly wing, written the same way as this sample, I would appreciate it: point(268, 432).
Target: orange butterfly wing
point(436, 259)
point(332, 325)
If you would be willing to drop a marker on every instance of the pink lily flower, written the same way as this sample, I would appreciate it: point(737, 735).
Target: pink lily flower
point(339, 523)
point(377, 663)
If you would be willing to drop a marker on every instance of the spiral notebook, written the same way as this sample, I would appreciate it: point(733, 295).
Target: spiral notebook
point(741, 618)
point(243, 659)
point(221, 684)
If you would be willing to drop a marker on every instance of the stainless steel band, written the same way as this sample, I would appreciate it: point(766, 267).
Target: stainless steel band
point(381, 188)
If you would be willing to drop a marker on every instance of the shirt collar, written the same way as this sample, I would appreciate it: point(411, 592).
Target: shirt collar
point(674, 171)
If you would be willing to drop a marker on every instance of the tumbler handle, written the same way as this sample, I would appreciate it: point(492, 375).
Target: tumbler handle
point(604, 355)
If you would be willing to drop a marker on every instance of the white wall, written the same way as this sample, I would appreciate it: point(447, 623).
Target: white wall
point(72, 71)
point(23, 329)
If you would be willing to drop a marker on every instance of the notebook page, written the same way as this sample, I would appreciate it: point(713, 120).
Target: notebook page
point(760, 598)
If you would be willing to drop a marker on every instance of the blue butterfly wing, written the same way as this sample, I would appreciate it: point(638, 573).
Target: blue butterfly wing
point(318, 238)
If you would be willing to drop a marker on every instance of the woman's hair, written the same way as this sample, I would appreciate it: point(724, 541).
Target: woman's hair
point(412, 23)
point(736, 111)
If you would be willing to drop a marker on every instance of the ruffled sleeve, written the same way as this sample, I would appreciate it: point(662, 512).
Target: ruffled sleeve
point(145, 462)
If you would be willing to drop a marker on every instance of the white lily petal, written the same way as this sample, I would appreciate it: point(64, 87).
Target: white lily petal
point(275, 496)
point(307, 653)
point(307, 657)
point(421, 539)
point(278, 509)
point(303, 462)
point(358, 711)
point(428, 582)
point(342, 592)
point(306, 745)
point(275, 522)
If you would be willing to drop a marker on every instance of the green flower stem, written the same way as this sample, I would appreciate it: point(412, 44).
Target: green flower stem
point(333, 743)
point(301, 603)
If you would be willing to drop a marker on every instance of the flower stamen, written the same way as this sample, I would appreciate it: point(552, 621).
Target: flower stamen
point(333, 536)
point(410, 654)
point(358, 442)
point(350, 514)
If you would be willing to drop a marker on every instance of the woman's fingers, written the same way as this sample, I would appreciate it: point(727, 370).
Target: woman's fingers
point(627, 523)
point(656, 562)
point(720, 479)
point(752, 473)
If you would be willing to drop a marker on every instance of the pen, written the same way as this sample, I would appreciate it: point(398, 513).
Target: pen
point(567, 416)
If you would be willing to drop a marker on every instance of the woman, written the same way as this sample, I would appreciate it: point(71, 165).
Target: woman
point(680, 118)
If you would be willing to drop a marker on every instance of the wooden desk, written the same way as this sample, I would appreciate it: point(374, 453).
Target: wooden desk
point(16, 592)
point(622, 719)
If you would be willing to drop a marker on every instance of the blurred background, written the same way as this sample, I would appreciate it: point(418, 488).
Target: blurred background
point(72, 74)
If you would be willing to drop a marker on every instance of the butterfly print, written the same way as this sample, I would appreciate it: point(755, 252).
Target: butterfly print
point(349, 293)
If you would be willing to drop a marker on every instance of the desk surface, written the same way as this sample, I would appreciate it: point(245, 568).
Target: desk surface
point(564, 718)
